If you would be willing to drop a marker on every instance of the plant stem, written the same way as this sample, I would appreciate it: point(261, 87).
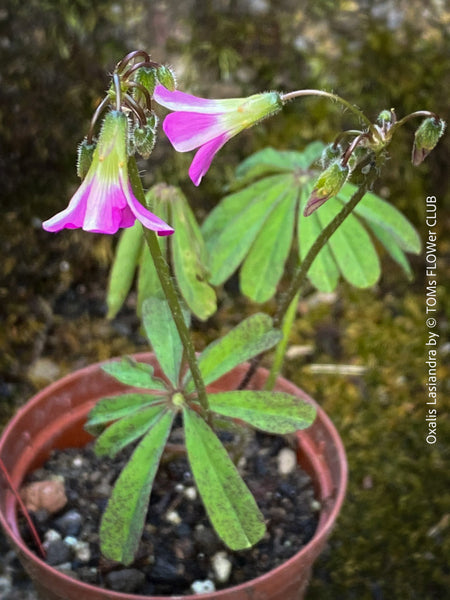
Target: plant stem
point(170, 293)
point(353, 109)
point(282, 345)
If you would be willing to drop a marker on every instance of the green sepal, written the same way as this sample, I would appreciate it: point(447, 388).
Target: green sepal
point(123, 520)
point(229, 504)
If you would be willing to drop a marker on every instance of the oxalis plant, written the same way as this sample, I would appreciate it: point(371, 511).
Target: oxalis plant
point(319, 197)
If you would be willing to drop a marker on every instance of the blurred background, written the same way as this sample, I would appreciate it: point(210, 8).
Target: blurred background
point(392, 540)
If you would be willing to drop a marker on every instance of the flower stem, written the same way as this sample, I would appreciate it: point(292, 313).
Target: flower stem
point(170, 293)
point(353, 109)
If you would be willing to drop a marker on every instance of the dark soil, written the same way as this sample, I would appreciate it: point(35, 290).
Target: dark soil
point(178, 547)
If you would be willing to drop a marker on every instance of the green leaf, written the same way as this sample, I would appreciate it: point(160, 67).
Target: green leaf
point(376, 211)
point(127, 430)
point(123, 520)
point(323, 273)
point(264, 265)
point(189, 259)
point(163, 335)
point(231, 508)
point(274, 412)
point(233, 225)
point(268, 161)
point(114, 407)
point(251, 337)
point(351, 246)
point(395, 251)
point(130, 372)
point(124, 266)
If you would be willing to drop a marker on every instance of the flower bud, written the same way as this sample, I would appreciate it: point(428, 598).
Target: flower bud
point(166, 77)
point(84, 157)
point(386, 117)
point(426, 138)
point(327, 185)
point(329, 154)
point(147, 78)
point(144, 140)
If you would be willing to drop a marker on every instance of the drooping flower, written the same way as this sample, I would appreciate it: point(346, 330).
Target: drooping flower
point(209, 124)
point(426, 138)
point(105, 202)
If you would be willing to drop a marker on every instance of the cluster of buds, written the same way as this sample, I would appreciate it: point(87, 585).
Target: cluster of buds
point(338, 164)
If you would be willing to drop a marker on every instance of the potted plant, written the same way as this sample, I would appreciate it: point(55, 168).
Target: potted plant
point(136, 400)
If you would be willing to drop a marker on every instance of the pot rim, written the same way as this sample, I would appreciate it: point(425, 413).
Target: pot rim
point(326, 520)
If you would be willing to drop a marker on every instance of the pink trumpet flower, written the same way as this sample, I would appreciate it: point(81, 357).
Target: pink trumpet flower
point(209, 124)
point(105, 202)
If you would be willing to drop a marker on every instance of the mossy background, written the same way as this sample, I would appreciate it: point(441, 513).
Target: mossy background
point(392, 538)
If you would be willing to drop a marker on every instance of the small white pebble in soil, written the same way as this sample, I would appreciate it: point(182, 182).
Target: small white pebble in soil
point(190, 493)
point(287, 461)
point(69, 540)
point(221, 566)
point(51, 535)
point(173, 517)
point(82, 551)
point(179, 488)
point(203, 587)
point(315, 505)
point(77, 462)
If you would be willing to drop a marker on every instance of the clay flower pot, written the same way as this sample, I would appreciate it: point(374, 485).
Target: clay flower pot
point(54, 418)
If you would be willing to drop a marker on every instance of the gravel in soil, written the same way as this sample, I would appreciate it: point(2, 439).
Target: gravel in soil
point(179, 552)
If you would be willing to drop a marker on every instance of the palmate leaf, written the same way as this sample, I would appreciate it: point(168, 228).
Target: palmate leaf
point(274, 412)
point(128, 429)
point(114, 407)
point(238, 229)
point(231, 507)
point(251, 337)
point(233, 225)
point(123, 520)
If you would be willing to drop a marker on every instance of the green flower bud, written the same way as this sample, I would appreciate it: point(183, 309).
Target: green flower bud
point(84, 157)
point(327, 185)
point(144, 140)
point(329, 154)
point(147, 78)
point(386, 117)
point(166, 77)
point(426, 138)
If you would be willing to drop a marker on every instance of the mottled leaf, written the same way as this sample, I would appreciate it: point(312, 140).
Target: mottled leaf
point(274, 412)
point(130, 372)
point(231, 507)
point(123, 520)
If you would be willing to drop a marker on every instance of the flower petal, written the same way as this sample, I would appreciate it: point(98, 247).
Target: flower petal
point(73, 216)
point(187, 130)
point(180, 101)
point(203, 158)
point(147, 218)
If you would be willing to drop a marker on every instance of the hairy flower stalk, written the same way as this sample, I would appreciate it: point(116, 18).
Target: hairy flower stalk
point(209, 124)
point(105, 202)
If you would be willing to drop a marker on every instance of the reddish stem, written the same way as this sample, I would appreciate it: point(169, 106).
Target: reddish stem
point(23, 508)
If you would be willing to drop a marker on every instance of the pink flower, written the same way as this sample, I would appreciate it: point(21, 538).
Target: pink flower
point(208, 124)
point(105, 202)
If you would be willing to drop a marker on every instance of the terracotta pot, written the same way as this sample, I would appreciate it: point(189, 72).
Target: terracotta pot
point(54, 418)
